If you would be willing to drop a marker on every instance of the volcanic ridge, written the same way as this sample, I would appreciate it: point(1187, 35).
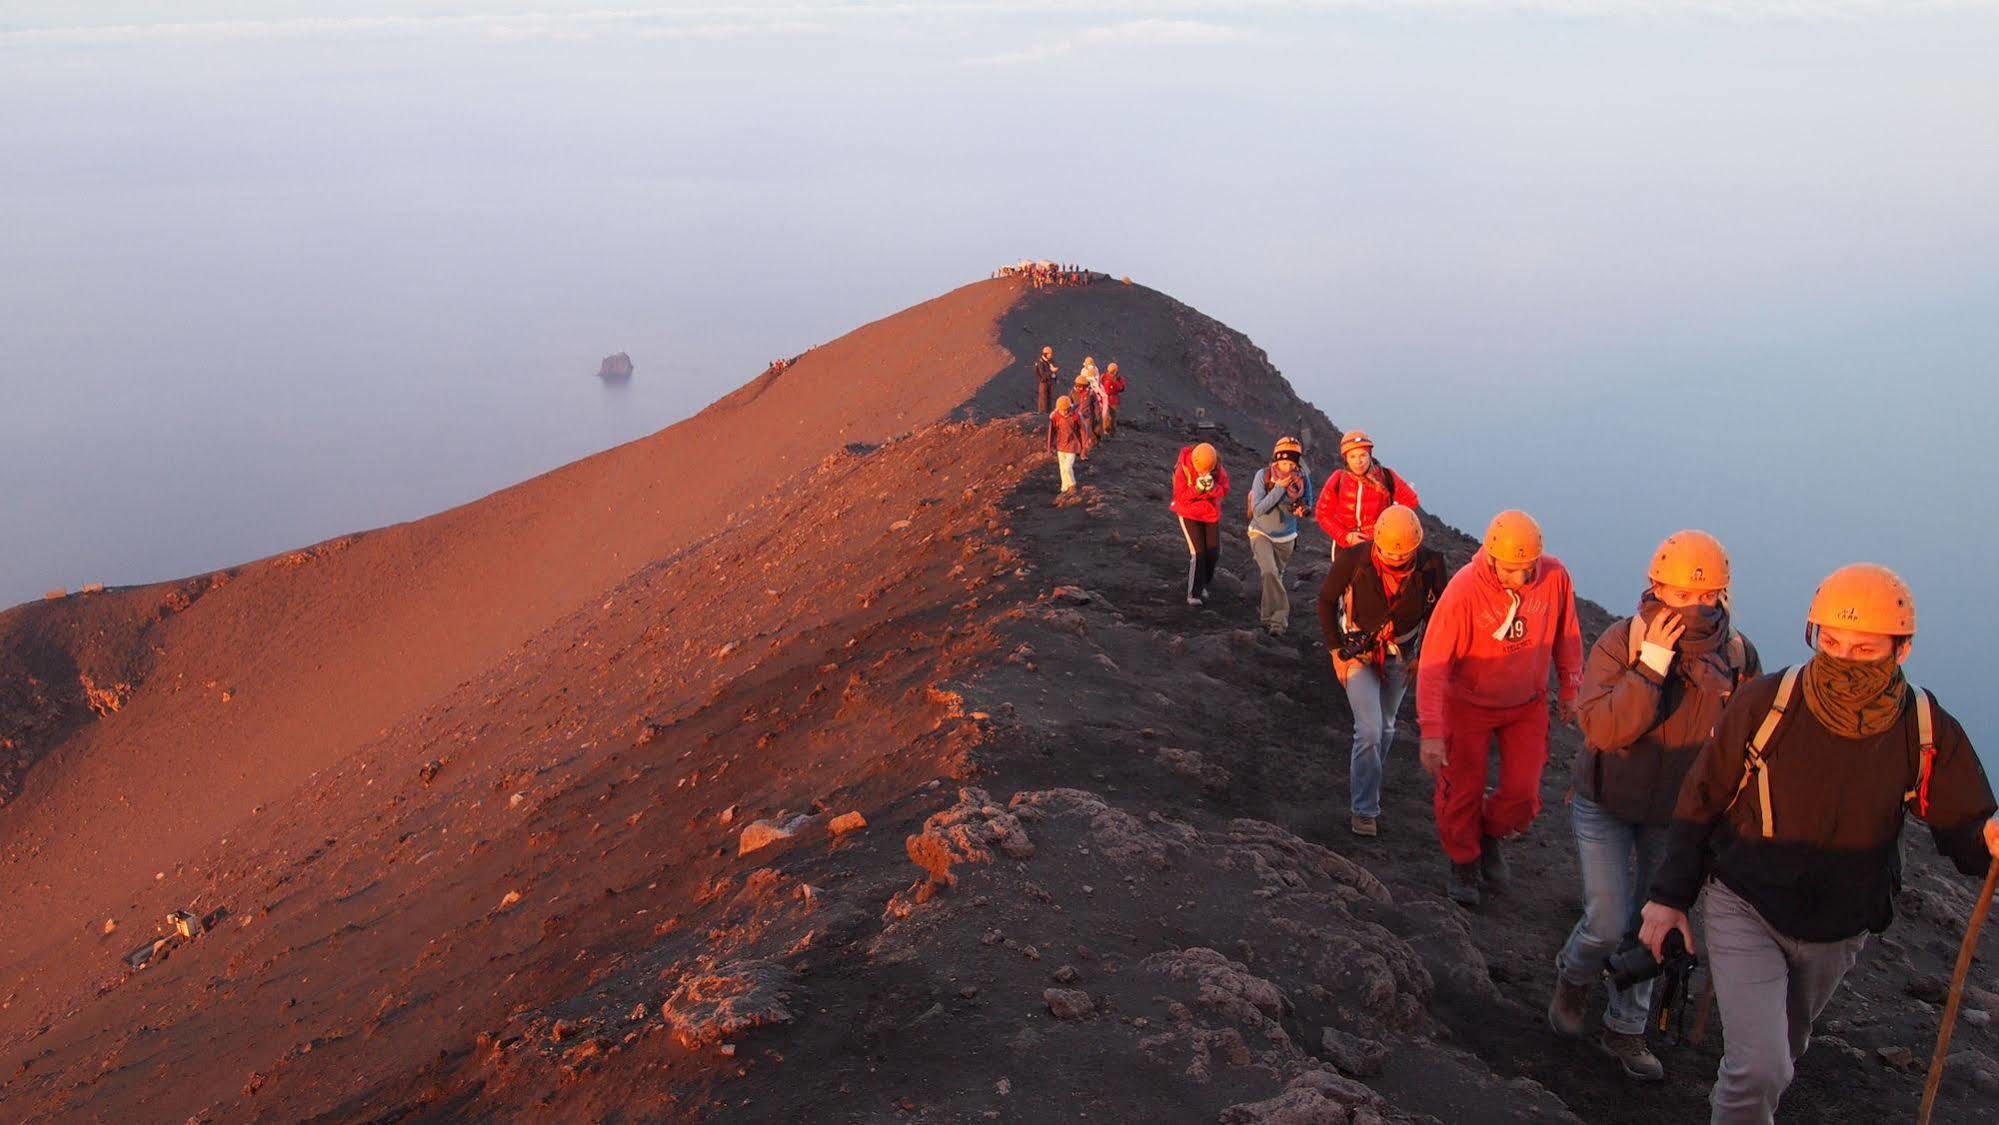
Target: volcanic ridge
point(804, 761)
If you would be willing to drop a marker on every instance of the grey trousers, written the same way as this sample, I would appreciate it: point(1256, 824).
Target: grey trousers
point(1271, 559)
point(1769, 988)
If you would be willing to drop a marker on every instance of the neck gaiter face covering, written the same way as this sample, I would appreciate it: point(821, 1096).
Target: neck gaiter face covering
point(1854, 698)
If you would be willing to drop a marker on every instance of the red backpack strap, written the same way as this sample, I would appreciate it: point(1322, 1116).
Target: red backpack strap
point(1926, 754)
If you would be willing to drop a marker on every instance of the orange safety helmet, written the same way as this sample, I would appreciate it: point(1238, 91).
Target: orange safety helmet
point(1111, 368)
point(1864, 597)
point(1287, 445)
point(1513, 538)
point(1691, 560)
point(1205, 458)
point(1048, 349)
point(1355, 439)
point(1062, 402)
point(1397, 531)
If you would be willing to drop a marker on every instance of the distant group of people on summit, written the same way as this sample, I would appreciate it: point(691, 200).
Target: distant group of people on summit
point(1045, 275)
point(1778, 798)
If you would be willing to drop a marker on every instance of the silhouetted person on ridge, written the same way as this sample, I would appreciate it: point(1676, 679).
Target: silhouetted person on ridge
point(1199, 484)
point(1483, 677)
point(1653, 690)
point(1373, 607)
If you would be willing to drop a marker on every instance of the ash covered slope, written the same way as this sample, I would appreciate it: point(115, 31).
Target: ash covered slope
point(226, 691)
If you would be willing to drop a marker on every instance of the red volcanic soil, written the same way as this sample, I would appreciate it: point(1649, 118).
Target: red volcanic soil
point(466, 800)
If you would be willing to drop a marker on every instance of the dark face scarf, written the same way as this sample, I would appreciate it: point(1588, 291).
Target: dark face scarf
point(1854, 698)
point(1703, 656)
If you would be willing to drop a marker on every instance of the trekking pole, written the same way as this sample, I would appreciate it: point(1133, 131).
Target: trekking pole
point(1957, 992)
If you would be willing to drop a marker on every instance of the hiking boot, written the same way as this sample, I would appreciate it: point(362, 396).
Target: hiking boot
point(1463, 886)
point(1192, 600)
point(1566, 1010)
point(1639, 1063)
point(1363, 825)
point(1492, 864)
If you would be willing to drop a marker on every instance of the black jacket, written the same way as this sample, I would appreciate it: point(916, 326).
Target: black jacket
point(1354, 569)
point(1831, 866)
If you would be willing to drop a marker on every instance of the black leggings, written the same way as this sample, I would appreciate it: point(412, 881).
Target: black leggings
point(1204, 548)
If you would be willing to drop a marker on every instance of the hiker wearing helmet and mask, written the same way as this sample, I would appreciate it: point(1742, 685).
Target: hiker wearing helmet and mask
point(1356, 494)
point(1044, 379)
point(1791, 819)
point(1386, 594)
point(1199, 484)
point(1278, 495)
point(1654, 687)
point(1504, 618)
point(1068, 439)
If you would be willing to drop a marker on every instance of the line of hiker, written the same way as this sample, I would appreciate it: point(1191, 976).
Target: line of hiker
point(1083, 417)
point(1778, 798)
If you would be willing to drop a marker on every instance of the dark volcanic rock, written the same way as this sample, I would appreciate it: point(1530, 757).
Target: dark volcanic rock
point(615, 368)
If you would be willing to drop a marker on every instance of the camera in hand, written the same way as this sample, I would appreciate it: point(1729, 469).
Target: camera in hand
point(1356, 645)
point(1636, 965)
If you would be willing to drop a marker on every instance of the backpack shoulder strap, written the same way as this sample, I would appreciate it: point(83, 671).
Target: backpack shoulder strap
point(1754, 764)
point(1926, 753)
point(1634, 640)
point(1738, 654)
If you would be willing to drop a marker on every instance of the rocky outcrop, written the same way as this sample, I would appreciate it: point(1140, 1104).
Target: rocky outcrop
point(616, 368)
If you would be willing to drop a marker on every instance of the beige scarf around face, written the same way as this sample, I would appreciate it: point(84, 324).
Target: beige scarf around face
point(1854, 698)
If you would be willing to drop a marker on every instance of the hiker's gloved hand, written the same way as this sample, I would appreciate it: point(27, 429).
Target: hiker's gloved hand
point(1434, 755)
point(1992, 836)
point(1660, 920)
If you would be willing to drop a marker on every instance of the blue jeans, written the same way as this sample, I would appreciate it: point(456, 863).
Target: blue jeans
point(1374, 697)
point(1613, 893)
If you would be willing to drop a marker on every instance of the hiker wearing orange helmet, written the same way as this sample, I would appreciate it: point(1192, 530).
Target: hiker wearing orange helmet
point(1385, 594)
point(1044, 379)
point(1504, 618)
point(1355, 496)
point(1653, 689)
point(1278, 495)
point(1083, 396)
point(1068, 439)
point(1199, 484)
point(1791, 819)
point(1113, 388)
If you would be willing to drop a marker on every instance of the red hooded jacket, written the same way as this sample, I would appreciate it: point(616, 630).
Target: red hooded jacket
point(1348, 503)
point(1114, 385)
point(1188, 499)
point(1483, 650)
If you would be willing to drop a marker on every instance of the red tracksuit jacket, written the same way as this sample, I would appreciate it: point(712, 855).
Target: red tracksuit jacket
point(1480, 649)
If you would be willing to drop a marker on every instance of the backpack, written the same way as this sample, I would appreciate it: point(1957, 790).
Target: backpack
point(1756, 764)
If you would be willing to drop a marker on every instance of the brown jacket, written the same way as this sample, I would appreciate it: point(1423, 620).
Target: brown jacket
point(1642, 730)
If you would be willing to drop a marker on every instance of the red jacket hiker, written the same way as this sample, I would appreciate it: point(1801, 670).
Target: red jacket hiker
point(1114, 385)
point(1068, 433)
point(1349, 503)
point(1188, 499)
point(1464, 663)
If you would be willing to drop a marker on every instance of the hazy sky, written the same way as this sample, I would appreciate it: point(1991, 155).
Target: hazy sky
point(271, 272)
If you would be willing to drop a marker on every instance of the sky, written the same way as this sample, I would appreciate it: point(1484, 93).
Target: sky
point(275, 272)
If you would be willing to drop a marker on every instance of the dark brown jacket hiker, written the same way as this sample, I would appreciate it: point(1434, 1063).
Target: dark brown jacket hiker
point(1642, 729)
